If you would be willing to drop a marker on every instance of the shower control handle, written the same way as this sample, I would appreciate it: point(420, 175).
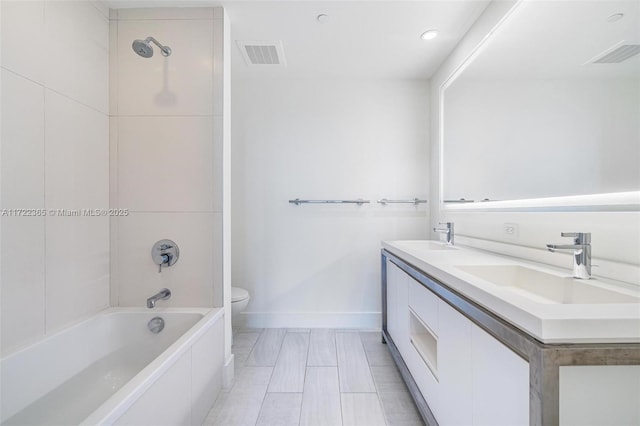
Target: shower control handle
point(165, 259)
point(165, 253)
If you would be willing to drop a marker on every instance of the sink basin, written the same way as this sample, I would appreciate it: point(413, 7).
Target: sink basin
point(546, 288)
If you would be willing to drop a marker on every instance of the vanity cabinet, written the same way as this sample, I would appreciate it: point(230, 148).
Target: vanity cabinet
point(397, 304)
point(466, 376)
point(466, 365)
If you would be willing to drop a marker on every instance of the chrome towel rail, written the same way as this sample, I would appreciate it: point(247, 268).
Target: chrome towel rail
point(460, 200)
point(412, 201)
point(464, 200)
point(359, 201)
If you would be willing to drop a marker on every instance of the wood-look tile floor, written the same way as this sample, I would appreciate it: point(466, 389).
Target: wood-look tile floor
point(317, 377)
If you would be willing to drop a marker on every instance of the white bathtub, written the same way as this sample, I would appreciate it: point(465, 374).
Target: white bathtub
point(110, 369)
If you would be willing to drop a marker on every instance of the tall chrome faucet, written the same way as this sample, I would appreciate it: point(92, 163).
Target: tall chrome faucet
point(447, 229)
point(163, 294)
point(581, 253)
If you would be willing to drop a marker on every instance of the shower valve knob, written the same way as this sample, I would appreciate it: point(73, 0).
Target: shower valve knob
point(165, 253)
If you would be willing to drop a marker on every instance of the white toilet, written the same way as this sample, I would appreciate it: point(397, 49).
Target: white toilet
point(239, 301)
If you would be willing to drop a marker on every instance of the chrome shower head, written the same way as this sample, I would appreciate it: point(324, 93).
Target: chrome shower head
point(144, 49)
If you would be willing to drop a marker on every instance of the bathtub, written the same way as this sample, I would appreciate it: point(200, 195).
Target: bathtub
point(111, 369)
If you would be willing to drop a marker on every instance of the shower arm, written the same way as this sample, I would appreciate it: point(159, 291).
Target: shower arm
point(166, 50)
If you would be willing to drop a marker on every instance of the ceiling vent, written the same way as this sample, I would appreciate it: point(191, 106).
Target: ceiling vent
point(262, 52)
point(617, 54)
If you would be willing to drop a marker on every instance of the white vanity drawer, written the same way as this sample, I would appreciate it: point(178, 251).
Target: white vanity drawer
point(423, 376)
point(424, 303)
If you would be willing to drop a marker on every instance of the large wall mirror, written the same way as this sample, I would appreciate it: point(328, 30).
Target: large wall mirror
point(548, 107)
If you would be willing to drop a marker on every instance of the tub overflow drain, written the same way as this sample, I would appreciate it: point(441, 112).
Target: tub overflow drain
point(156, 325)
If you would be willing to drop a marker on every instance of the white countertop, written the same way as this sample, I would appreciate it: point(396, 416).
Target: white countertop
point(547, 322)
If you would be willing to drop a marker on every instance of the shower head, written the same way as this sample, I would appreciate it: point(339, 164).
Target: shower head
point(144, 49)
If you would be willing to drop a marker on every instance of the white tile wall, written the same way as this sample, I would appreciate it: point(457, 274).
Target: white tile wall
point(218, 158)
point(166, 157)
point(219, 67)
point(180, 84)
point(22, 310)
point(77, 268)
point(166, 13)
point(22, 142)
point(55, 154)
point(165, 163)
point(190, 279)
point(77, 52)
point(77, 154)
point(113, 67)
point(101, 6)
point(22, 26)
point(113, 203)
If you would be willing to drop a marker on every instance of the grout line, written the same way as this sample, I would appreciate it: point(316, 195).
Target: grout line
point(93, 3)
point(166, 115)
point(304, 379)
point(22, 76)
point(279, 351)
point(264, 397)
point(335, 335)
point(164, 19)
point(366, 356)
point(106, 114)
point(44, 193)
point(170, 211)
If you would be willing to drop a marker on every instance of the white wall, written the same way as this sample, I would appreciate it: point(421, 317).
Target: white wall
point(615, 235)
point(55, 155)
point(319, 265)
point(166, 155)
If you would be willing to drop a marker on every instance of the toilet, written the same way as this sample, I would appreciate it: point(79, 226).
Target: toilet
point(239, 301)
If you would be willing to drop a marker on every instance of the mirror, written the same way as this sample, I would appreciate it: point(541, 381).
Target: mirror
point(548, 106)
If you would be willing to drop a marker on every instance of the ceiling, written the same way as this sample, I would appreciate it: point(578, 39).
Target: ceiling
point(560, 39)
point(362, 39)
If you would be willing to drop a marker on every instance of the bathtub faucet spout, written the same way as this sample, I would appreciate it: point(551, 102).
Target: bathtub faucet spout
point(163, 294)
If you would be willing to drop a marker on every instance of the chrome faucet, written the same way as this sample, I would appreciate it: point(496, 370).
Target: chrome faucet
point(447, 229)
point(581, 253)
point(163, 294)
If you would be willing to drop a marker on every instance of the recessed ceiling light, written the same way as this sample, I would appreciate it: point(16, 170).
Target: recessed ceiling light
point(322, 18)
point(429, 35)
point(615, 17)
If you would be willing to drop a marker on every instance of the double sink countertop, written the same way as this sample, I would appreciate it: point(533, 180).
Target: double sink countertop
point(543, 301)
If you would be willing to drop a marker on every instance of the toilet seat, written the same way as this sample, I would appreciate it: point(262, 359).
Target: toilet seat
point(238, 294)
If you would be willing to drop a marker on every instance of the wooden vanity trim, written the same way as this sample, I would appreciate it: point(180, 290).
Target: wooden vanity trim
point(544, 360)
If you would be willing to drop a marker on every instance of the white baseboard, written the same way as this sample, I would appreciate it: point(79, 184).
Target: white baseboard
point(228, 373)
point(358, 320)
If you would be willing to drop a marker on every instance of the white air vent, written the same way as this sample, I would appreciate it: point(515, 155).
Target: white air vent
point(262, 52)
point(617, 54)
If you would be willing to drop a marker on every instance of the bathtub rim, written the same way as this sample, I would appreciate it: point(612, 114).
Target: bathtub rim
point(114, 407)
point(17, 350)
point(111, 409)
